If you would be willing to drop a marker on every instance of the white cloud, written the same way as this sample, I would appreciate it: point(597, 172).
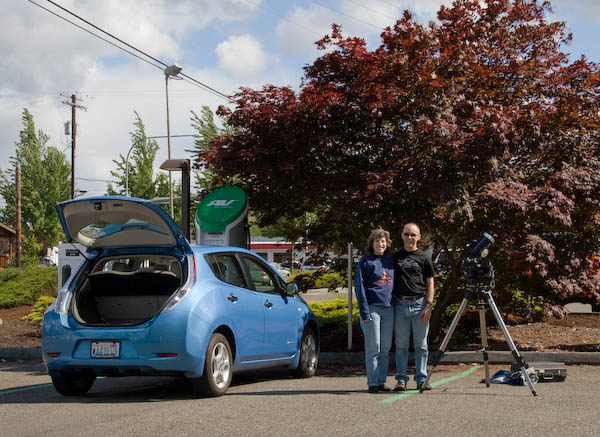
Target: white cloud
point(241, 55)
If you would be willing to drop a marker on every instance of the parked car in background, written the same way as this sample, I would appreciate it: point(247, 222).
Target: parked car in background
point(146, 302)
point(283, 272)
point(47, 261)
point(315, 263)
point(308, 266)
point(286, 265)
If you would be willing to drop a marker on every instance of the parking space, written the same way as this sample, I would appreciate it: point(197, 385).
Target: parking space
point(335, 401)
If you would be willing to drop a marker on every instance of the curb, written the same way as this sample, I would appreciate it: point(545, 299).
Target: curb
point(354, 358)
point(473, 357)
point(20, 354)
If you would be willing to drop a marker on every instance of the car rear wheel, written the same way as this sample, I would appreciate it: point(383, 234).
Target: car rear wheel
point(309, 356)
point(217, 369)
point(72, 384)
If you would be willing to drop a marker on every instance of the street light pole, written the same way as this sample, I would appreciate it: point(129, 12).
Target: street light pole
point(135, 144)
point(170, 71)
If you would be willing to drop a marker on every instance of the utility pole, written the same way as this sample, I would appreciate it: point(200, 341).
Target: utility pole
point(73, 104)
point(18, 212)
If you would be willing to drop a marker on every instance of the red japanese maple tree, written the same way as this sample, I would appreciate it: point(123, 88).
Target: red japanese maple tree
point(477, 122)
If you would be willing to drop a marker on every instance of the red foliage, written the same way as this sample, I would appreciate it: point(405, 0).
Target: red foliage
point(477, 123)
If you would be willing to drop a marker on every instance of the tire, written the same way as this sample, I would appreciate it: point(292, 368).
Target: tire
point(218, 368)
point(72, 384)
point(309, 355)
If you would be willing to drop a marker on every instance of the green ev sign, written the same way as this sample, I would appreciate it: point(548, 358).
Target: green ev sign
point(221, 218)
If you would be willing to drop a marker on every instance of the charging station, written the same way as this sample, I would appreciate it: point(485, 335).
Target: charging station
point(221, 218)
point(69, 259)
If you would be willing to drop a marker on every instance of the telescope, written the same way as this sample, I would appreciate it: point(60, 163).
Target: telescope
point(478, 249)
point(475, 264)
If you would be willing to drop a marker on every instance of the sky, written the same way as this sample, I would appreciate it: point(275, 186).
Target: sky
point(225, 44)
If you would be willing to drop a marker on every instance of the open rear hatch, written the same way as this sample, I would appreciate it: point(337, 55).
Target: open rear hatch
point(139, 259)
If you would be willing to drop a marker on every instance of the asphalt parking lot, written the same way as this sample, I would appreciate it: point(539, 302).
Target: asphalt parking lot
point(333, 402)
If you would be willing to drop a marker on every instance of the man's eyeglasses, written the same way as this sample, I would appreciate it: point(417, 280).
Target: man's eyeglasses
point(408, 234)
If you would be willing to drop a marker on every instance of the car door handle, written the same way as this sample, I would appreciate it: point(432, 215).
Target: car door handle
point(268, 304)
point(232, 298)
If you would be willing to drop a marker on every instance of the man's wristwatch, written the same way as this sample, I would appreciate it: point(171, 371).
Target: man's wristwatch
point(428, 303)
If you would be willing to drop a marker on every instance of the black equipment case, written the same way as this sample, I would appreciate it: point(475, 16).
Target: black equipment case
point(545, 371)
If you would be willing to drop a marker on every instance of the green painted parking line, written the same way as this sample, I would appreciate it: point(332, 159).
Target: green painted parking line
point(433, 384)
point(20, 389)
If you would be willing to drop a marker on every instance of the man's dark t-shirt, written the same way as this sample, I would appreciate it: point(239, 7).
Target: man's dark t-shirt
point(410, 271)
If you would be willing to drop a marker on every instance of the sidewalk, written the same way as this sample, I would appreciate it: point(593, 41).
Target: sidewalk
point(345, 358)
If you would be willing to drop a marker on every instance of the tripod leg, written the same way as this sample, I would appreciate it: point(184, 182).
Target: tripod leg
point(446, 340)
point(518, 357)
point(484, 340)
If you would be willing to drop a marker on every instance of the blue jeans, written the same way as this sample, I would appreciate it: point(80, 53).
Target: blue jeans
point(378, 341)
point(407, 320)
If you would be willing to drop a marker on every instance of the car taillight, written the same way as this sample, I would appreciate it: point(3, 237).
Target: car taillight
point(185, 289)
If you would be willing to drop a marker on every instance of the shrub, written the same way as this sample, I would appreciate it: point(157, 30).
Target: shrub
point(318, 279)
point(334, 313)
point(24, 286)
point(39, 309)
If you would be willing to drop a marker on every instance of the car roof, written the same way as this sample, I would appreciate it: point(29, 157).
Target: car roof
point(206, 249)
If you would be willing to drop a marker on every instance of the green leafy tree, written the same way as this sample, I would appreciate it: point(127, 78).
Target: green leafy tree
point(45, 181)
point(479, 122)
point(142, 182)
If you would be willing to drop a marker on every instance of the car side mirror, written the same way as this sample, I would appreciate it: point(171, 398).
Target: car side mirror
point(291, 288)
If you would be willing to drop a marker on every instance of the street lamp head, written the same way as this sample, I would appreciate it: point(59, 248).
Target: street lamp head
point(176, 165)
point(172, 70)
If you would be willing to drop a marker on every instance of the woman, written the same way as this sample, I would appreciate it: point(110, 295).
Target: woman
point(373, 285)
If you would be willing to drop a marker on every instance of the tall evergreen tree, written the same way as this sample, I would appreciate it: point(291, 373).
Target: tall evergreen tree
point(45, 181)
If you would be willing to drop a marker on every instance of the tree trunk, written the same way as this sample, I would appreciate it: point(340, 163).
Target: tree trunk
point(445, 298)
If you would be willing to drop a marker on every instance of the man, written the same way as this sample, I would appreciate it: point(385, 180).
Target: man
point(413, 293)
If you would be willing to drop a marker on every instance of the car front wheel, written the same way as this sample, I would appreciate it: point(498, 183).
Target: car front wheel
point(72, 384)
point(217, 369)
point(309, 355)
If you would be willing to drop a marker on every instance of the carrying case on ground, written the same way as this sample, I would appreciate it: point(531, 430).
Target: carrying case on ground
point(545, 371)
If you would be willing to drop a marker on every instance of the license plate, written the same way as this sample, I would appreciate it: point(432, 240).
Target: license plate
point(105, 349)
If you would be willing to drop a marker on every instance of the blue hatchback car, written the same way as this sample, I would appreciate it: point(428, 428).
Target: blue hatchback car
point(146, 302)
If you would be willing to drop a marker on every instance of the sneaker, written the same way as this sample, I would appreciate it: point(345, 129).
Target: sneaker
point(384, 388)
point(422, 387)
point(373, 389)
point(400, 386)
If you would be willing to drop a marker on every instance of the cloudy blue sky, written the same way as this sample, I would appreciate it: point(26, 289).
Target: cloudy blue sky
point(225, 44)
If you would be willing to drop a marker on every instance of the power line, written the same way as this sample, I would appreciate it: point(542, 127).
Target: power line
point(107, 33)
point(97, 180)
point(92, 33)
point(345, 14)
point(369, 9)
point(284, 18)
point(208, 88)
point(390, 4)
point(193, 81)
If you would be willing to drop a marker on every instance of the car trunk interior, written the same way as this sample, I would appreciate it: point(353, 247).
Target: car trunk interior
point(127, 290)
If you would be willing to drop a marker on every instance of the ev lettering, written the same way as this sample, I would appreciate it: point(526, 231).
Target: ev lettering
point(221, 203)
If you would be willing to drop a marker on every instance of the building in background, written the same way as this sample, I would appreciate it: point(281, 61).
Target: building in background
point(8, 238)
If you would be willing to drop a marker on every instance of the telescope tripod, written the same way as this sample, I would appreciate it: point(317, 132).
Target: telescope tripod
point(482, 295)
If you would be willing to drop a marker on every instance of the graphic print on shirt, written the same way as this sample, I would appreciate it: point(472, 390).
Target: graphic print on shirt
point(385, 279)
point(410, 265)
